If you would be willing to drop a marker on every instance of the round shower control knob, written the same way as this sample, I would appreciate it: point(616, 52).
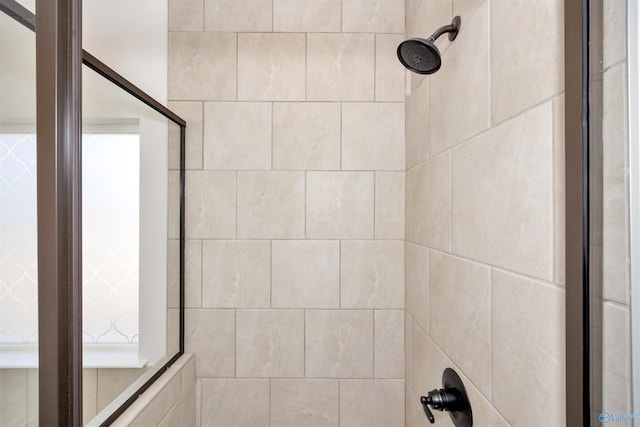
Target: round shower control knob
point(452, 398)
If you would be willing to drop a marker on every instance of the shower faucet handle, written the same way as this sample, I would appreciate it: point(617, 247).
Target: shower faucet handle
point(451, 398)
point(425, 405)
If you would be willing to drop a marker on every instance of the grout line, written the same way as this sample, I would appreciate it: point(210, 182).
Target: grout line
point(201, 137)
point(339, 275)
point(304, 343)
point(306, 66)
point(237, 231)
point(305, 205)
point(298, 101)
point(375, 175)
point(237, 64)
point(450, 200)
point(201, 243)
point(375, 67)
point(506, 270)
point(491, 334)
point(271, 274)
point(235, 343)
point(339, 383)
point(373, 353)
point(270, 403)
point(340, 124)
point(272, 127)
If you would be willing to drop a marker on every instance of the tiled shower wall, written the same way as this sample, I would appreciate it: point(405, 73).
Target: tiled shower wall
point(485, 212)
point(616, 346)
point(295, 208)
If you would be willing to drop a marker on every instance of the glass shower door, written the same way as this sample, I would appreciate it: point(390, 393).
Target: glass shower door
point(18, 227)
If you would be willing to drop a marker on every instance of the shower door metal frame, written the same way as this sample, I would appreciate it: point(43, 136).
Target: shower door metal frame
point(584, 209)
point(59, 58)
point(577, 250)
point(59, 95)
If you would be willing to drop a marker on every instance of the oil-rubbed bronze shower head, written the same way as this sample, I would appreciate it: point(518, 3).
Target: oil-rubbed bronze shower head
point(422, 56)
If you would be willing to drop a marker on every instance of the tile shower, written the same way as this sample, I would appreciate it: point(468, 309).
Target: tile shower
point(295, 208)
point(302, 246)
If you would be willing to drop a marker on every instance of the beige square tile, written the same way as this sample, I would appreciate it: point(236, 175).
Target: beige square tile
point(173, 331)
point(429, 16)
point(428, 215)
point(306, 136)
point(408, 349)
point(225, 402)
point(372, 403)
point(238, 15)
point(427, 374)
point(527, 39)
point(466, 8)
point(340, 67)
point(306, 274)
point(614, 35)
point(202, 66)
point(191, 112)
point(271, 67)
point(235, 273)
point(615, 186)
point(373, 16)
point(309, 403)
point(210, 204)
point(186, 15)
point(413, 410)
point(461, 290)
point(33, 415)
point(112, 382)
point(389, 71)
point(187, 371)
point(372, 274)
point(389, 344)
point(460, 90)
point(192, 275)
point(183, 413)
point(237, 135)
point(173, 273)
point(270, 343)
point(89, 394)
point(417, 283)
point(210, 335)
point(339, 343)
point(528, 350)
point(13, 393)
point(198, 402)
point(503, 195)
point(411, 7)
point(616, 357)
point(271, 205)
point(417, 125)
point(340, 205)
point(307, 16)
point(559, 184)
point(173, 208)
point(389, 205)
point(373, 136)
point(161, 396)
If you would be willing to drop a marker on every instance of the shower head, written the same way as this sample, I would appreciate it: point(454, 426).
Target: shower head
point(422, 56)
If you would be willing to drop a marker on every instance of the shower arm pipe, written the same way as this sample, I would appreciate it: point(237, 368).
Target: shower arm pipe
point(452, 29)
